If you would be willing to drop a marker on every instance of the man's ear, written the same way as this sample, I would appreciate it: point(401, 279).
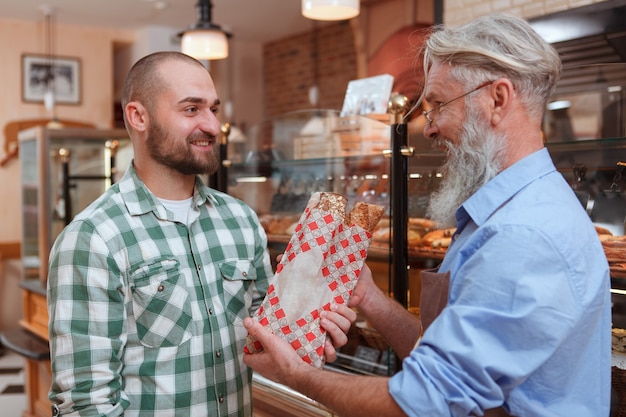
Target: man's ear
point(137, 116)
point(502, 93)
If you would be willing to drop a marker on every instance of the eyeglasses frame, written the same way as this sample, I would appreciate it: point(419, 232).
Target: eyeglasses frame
point(427, 113)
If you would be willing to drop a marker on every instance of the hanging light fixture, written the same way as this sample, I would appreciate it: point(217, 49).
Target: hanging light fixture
point(49, 97)
point(330, 9)
point(205, 40)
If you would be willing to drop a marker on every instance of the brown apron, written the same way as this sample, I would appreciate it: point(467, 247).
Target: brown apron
point(433, 295)
point(433, 299)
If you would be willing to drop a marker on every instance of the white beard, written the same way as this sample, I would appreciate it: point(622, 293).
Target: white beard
point(469, 166)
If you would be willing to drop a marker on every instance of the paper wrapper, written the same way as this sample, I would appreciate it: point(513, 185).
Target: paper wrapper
point(321, 265)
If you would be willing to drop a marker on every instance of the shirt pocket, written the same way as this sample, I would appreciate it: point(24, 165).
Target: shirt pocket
point(160, 302)
point(237, 277)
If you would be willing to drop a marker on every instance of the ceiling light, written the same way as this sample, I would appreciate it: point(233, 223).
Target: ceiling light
point(205, 40)
point(330, 9)
point(559, 105)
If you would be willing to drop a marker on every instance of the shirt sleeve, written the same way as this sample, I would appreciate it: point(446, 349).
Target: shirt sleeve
point(87, 311)
point(513, 301)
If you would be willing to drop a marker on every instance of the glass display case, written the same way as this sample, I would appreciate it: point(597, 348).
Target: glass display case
point(63, 170)
point(589, 103)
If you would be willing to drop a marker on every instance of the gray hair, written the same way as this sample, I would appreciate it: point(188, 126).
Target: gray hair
point(498, 45)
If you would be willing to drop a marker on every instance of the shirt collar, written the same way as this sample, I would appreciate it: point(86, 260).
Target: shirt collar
point(140, 200)
point(488, 199)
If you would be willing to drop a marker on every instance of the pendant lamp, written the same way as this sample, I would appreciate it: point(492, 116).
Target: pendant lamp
point(205, 40)
point(49, 98)
point(330, 9)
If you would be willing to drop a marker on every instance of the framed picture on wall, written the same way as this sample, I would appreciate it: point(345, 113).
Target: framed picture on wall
point(40, 73)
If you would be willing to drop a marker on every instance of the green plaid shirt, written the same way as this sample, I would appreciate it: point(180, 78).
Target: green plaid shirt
point(146, 313)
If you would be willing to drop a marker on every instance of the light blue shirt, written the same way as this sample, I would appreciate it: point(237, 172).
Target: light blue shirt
point(528, 320)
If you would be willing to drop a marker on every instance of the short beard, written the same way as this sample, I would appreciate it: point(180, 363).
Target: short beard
point(167, 151)
point(473, 163)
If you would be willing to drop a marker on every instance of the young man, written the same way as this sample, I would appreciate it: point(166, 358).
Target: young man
point(526, 329)
point(148, 287)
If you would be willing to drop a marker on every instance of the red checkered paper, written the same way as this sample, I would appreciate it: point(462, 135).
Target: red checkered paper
point(320, 266)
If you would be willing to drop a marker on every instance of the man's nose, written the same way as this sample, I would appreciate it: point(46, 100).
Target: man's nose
point(430, 130)
point(211, 124)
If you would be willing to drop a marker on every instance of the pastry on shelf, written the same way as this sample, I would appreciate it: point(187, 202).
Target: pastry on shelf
point(618, 341)
point(416, 229)
point(278, 224)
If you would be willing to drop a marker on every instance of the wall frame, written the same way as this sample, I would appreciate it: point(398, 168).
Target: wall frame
point(38, 71)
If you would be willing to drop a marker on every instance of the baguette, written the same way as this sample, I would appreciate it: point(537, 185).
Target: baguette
point(366, 215)
point(331, 202)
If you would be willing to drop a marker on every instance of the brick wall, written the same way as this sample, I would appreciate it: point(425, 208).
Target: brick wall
point(461, 11)
point(289, 67)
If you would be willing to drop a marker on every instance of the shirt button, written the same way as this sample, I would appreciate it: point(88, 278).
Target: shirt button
point(161, 288)
point(218, 354)
point(221, 399)
point(199, 267)
point(55, 410)
point(210, 311)
point(244, 273)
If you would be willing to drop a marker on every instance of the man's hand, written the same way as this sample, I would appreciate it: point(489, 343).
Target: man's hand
point(337, 323)
point(365, 288)
point(278, 361)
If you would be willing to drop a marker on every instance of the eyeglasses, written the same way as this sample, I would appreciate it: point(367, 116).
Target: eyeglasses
point(426, 114)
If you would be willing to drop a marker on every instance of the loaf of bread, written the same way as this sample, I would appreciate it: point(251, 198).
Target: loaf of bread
point(384, 235)
point(320, 266)
point(421, 223)
point(618, 341)
point(332, 203)
point(436, 235)
point(366, 215)
point(603, 231)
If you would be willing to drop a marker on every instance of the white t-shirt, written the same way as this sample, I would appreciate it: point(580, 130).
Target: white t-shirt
point(180, 208)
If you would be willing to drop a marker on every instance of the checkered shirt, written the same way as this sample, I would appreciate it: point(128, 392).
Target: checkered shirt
point(146, 313)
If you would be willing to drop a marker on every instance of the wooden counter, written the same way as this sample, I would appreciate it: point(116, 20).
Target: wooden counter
point(35, 324)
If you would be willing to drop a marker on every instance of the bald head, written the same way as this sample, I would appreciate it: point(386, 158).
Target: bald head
point(144, 82)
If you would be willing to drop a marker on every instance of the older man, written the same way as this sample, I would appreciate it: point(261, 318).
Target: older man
point(525, 330)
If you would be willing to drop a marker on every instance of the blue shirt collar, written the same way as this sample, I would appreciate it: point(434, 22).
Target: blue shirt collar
point(488, 199)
